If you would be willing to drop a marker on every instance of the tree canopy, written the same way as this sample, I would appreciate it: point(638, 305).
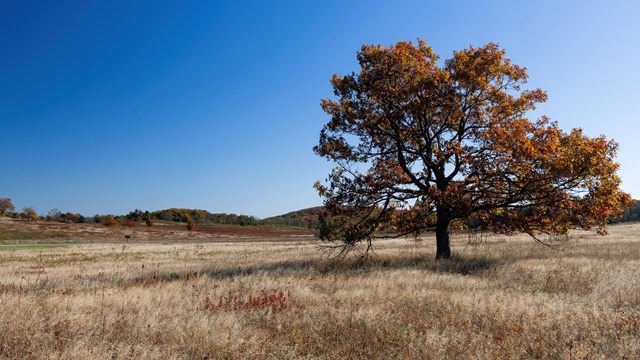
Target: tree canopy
point(6, 205)
point(29, 213)
point(420, 144)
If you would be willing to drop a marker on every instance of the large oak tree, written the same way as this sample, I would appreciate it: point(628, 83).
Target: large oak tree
point(421, 144)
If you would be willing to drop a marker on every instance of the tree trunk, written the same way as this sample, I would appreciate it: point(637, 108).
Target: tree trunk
point(443, 248)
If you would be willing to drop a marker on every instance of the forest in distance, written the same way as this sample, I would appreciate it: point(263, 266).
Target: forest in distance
point(308, 218)
point(305, 218)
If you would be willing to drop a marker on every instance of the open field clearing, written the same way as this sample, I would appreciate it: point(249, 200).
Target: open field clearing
point(43, 231)
point(501, 297)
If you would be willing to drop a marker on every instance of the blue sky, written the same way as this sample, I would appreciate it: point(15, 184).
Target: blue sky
point(115, 105)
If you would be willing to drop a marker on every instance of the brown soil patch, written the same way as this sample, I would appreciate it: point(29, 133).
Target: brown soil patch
point(158, 232)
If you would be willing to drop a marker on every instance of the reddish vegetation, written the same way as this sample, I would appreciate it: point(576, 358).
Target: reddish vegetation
point(160, 231)
point(250, 231)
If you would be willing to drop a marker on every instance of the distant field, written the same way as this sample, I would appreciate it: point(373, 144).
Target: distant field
point(45, 231)
point(33, 246)
point(31, 235)
point(499, 297)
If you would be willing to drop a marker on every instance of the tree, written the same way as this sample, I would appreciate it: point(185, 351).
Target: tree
point(135, 215)
point(29, 214)
point(191, 225)
point(70, 217)
point(324, 228)
point(54, 215)
point(6, 205)
point(421, 145)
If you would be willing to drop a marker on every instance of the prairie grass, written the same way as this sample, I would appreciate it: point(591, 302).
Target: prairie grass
point(499, 297)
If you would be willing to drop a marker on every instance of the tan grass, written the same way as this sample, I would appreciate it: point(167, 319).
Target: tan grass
point(499, 297)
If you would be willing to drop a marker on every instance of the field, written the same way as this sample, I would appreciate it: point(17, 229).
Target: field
point(161, 232)
point(281, 297)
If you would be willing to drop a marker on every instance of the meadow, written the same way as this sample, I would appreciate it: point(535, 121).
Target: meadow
point(499, 297)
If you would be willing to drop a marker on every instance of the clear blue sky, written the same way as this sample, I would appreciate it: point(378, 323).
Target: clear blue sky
point(108, 106)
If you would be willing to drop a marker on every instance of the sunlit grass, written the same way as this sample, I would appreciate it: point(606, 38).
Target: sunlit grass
point(502, 297)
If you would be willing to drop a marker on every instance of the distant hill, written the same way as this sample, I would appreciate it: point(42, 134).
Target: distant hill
point(307, 218)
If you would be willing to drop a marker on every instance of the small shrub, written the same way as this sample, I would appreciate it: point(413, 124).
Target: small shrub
point(110, 221)
point(149, 222)
point(191, 225)
point(128, 223)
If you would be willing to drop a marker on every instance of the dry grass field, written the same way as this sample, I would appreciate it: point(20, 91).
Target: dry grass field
point(499, 297)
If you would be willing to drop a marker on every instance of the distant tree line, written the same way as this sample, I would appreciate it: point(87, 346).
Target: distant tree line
point(188, 216)
point(8, 209)
point(630, 214)
point(57, 215)
point(193, 215)
point(311, 218)
point(306, 218)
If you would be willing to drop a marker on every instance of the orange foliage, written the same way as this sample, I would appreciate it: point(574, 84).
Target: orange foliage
point(128, 223)
point(29, 214)
point(110, 221)
point(420, 145)
point(6, 205)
